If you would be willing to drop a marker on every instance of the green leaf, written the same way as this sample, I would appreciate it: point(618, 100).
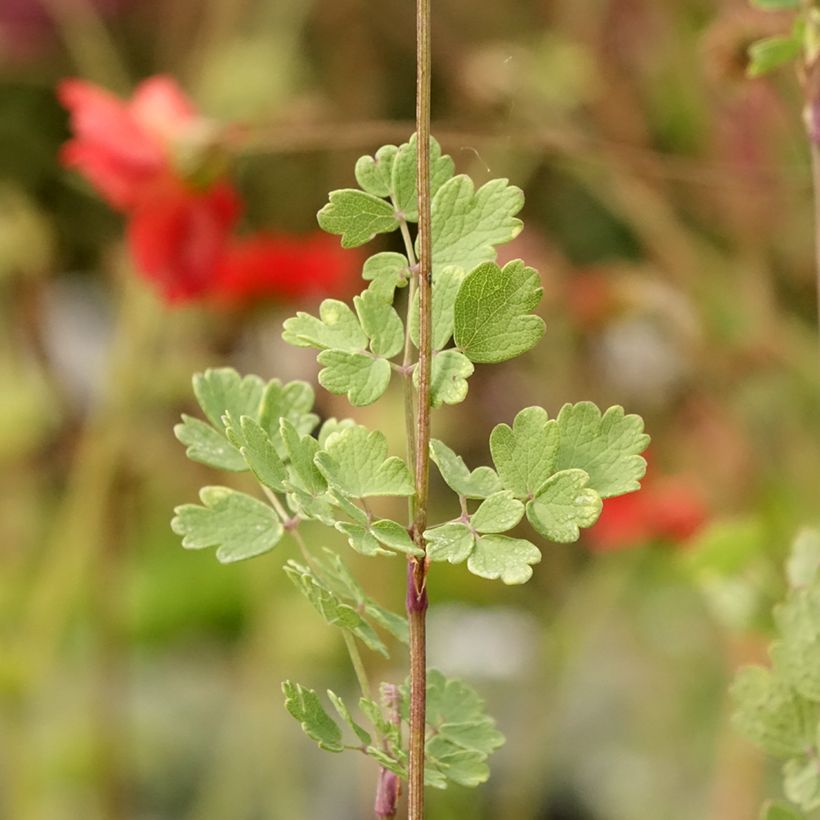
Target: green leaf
point(333, 425)
point(797, 654)
point(356, 216)
point(468, 224)
point(403, 186)
point(480, 483)
point(391, 270)
point(362, 378)
point(449, 372)
point(499, 513)
point(804, 560)
point(380, 322)
point(292, 401)
point(257, 450)
point(393, 535)
point(446, 285)
point(492, 312)
point(606, 447)
point(524, 454)
point(301, 450)
point(451, 542)
point(328, 605)
point(776, 5)
point(356, 463)
point(779, 811)
point(374, 174)
point(563, 505)
point(222, 390)
point(337, 328)
point(770, 714)
point(361, 539)
point(304, 705)
point(499, 556)
point(462, 766)
point(207, 446)
point(801, 782)
point(344, 714)
point(238, 525)
point(771, 53)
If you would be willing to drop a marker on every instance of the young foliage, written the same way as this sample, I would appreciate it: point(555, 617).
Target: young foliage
point(551, 473)
point(778, 708)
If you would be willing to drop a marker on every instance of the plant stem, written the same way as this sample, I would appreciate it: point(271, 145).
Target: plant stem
point(417, 569)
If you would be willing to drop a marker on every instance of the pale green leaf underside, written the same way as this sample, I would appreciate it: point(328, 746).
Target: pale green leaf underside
point(404, 174)
point(222, 390)
point(361, 539)
point(301, 449)
point(355, 462)
point(446, 285)
point(448, 377)
point(451, 542)
point(779, 811)
point(524, 454)
point(237, 525)
point(468, 224)
point(375, 173)
point(257, 452)
point(390, 269)
point(801, 782)
point(304, 705)
point(344, 713)
point(498, 513)
point(334, 611)
point(336, 328)
point(563, 505)
point(607, 447)
point(380, 322)
point(395, 536)
point(361, 378)
point(501, 557)
point(356, 216)
point(207, 446)
point(480, 483)
point(492, 319)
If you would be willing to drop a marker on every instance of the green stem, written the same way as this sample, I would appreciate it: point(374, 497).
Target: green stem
point(358, 666)
point(409, 407)
point(417, 569)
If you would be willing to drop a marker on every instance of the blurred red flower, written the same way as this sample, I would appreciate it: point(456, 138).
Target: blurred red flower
point(159, 161)
point(284, 267)
point(667, 509)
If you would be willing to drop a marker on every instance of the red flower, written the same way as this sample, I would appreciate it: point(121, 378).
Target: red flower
point(284, 267)
point(126, 149)
point(181, 219)
point(179, 238)
point(668, 509)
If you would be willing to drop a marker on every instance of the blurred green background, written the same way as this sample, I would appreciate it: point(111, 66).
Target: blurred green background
point(669, 212)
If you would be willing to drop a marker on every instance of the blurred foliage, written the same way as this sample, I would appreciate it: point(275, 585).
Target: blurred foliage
point(669, 214)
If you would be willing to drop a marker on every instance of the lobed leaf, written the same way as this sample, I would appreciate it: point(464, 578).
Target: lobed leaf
point(480, 483)
point(524, 454)
point(360, 377)
point(337, 328)
point(375, 173)
point(404, 171)
point(380, 322)
point(304, 705)
point(492, 319)
point(449, 372)
point(607, 447)
point(356, 216)
point(563, 505)
point(451, 542)
point(237, 525)
point(499, 556)
point(208, 446)
point(344, 714)
point(468, 224)
point(446, 285)
point(498, 513)
point(222, 390)
point(257, 452)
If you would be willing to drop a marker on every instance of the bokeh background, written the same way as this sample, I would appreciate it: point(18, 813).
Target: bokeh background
point(669, 212)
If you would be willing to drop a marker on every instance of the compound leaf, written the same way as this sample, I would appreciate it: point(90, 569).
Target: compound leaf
point(446, 285)
point(361, 539)
point(492, 321)
point(344, 714)
point(356, 216)
point(380, 322)
point(563, 505)
point(222, 390)
point(607, 447)
point(393, 535)
point(389, 269)
point(449, 372)
point(257, 451)
point(304, 705)
point(375, 173)
point(301, 450)
point(237, 525)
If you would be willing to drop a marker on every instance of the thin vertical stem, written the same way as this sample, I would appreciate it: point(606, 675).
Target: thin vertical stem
point(417, 568)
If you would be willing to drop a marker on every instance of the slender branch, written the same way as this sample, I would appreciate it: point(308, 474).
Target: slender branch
point(358, 666)
point(417, 569)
